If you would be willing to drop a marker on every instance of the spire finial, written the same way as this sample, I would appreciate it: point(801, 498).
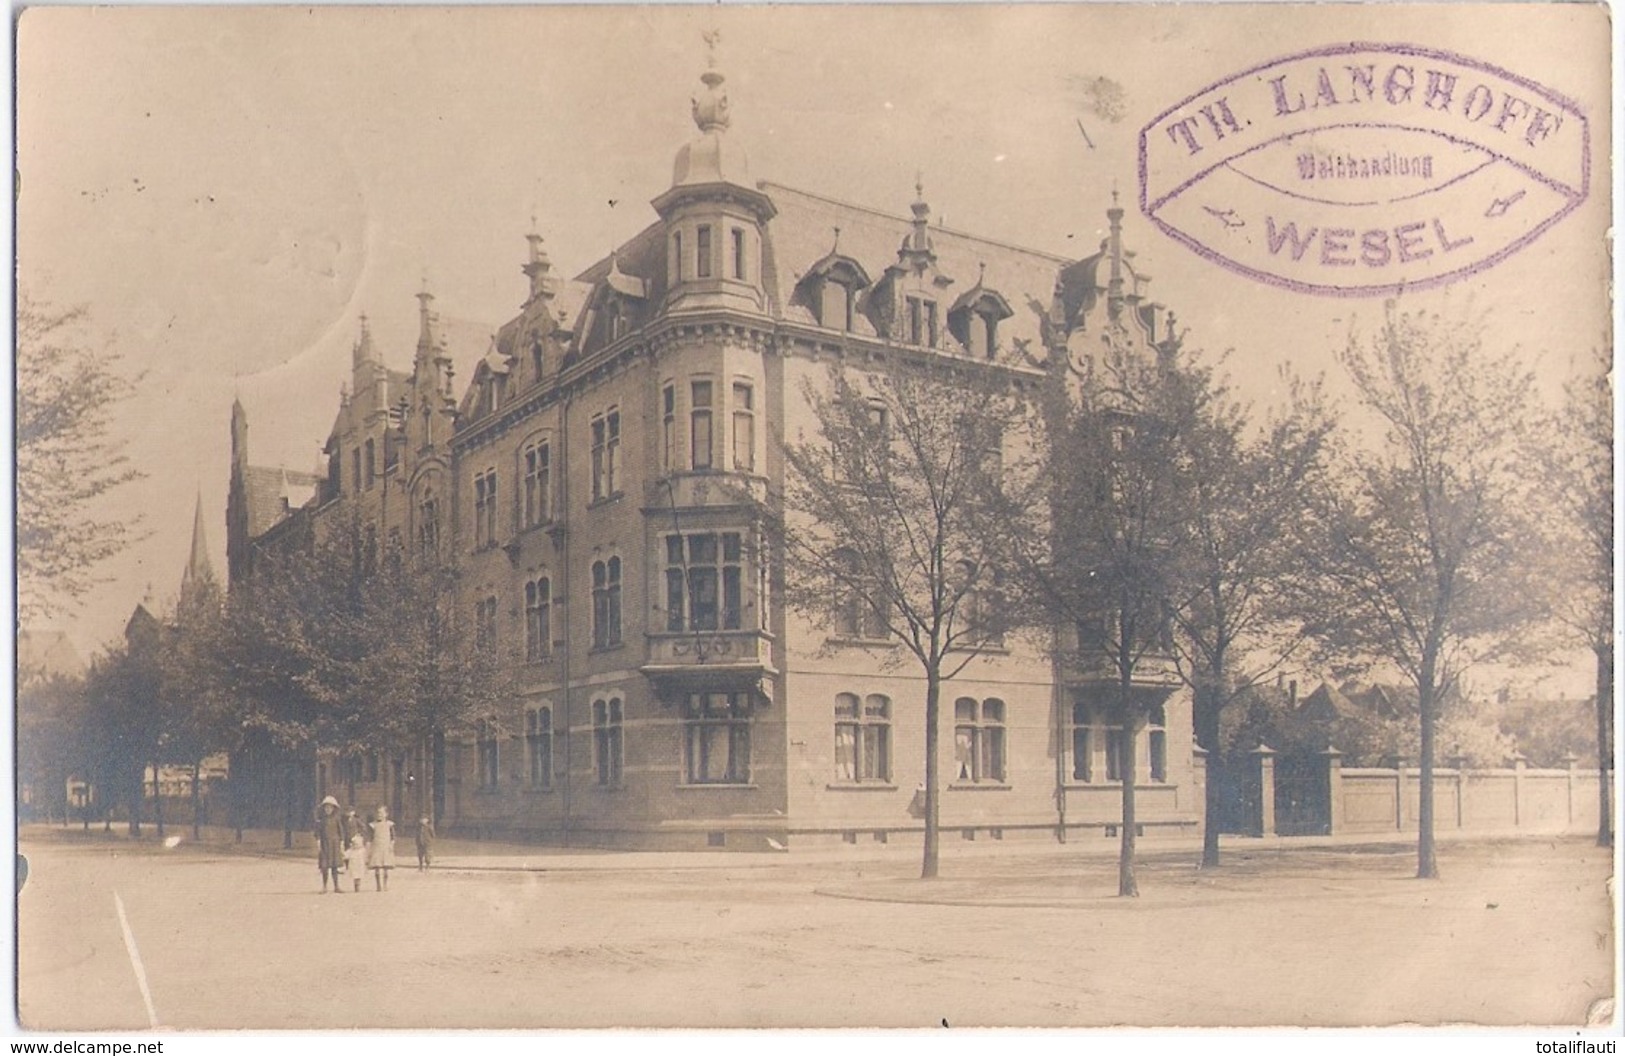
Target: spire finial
point(837, 244)
point(919, 186)
point(711, 110)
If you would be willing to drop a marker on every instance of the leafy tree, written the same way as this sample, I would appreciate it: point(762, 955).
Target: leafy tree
point(52, 725)
point(1106, 572)
point(426, 675)
point(1239, 553)
point(199, 713)
point(1579, 470)
point(887, 523)
point(66, 458)
point(1423, 550)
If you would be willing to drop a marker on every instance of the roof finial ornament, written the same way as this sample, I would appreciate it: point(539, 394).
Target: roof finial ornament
point(711, 110)
point(837, 244)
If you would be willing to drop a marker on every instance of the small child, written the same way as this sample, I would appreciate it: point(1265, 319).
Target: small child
point(425, 842)
point(355, 859)
point(381, 852)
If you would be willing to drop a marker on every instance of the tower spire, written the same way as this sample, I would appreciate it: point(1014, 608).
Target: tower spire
point(1114, 290)
point(199, 571)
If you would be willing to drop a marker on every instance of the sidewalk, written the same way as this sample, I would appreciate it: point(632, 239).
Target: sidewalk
point(464, 855)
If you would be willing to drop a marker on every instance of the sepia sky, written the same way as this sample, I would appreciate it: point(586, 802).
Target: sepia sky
point(228, 189)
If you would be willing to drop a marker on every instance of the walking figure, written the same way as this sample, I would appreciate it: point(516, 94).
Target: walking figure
point(330, 843)
point(425, 842)
point(381, 853)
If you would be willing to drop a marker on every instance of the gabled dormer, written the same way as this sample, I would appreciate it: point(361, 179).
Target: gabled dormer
point(618, 305)
point(974, 318)
point(907, 304)
point(831, 288)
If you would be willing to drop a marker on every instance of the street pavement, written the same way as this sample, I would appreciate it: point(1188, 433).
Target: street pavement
point(1517, 932)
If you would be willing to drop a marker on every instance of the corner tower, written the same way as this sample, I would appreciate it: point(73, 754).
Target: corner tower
point(714, 212)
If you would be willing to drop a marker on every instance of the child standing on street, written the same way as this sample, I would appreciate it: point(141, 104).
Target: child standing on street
point(425, 842)
point(355, 859)
point(381, 852)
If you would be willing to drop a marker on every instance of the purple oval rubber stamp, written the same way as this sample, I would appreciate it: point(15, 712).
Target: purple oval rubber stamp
point(1363, 169)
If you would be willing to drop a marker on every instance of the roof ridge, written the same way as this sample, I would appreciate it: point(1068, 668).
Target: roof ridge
point(936, 228)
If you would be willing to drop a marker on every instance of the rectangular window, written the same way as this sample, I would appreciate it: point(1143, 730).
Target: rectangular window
point(702, 251)
point(677, 255)
point(862, 738)
point(979, 740)
point(668, 427)
point(612, 458)
point(355, 470)
point(606, 603)
point(915, 310)
point(739, 253)
point(539, 746)
point(716, 739)
point(490, 774)
point(1114, 753)
point(607, 746)
point(744, 428)
point(368, 464)
point(1083, 747)
point(598, 491)
point(700, 425)
point(704, 582)
point(538, 483)
point(1157, 744)
point(485, 508)
point(538, 619)
point(485, 623)
point(930, 324)
point(835, 305)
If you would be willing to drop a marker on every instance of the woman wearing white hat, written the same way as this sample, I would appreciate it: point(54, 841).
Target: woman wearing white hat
point(329, 843)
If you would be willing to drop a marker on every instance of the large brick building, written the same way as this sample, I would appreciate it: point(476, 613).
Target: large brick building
point(592, 485)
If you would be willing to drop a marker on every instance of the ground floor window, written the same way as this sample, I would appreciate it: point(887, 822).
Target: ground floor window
point(979, 740)
point(539, 746)
point(862, 738)
point(1156, 739)
point(486, 746)
point(716, 738)
point(1083, 743)
point(606, 739)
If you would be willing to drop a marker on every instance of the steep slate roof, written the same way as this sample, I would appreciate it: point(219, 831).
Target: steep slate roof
point(267, 486)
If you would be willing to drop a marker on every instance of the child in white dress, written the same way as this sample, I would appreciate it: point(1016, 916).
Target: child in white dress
point(355, 859)
point(381, 852)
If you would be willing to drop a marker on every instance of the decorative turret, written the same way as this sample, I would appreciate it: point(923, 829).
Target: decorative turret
point(917, 249)
point(363, 353)
point(537, 267)
point(714, 212)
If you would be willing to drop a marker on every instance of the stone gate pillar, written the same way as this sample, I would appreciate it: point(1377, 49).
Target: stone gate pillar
point(1332, 759)
point(1264, 813)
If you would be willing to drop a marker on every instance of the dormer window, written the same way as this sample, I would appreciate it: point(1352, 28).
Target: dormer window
point(831, 287)
point(974, 320)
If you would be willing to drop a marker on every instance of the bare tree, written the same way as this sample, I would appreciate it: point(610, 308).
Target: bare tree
point(1425, 543)
point(886, 522)
point(67, 458)
point(1579, 472)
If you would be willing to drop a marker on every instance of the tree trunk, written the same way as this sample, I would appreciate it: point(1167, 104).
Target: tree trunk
point(1206, 705)
point(1427, 863)
point(933, 693)
point(139, 791)
point(158, 798)
point(438, 775)
point(1605, 742)
point(197, 800)
point(1127, 885)
point(289, 783)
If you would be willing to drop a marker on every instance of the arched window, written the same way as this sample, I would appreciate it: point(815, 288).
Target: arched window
point(538, 619)
point(539, 746)
point(537, 463)
point(428, 523)
point(979, 740)
point(606, 737)
point(486, 745)
point(862, 738)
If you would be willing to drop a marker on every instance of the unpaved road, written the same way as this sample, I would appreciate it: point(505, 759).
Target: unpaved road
point(1516, 933)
